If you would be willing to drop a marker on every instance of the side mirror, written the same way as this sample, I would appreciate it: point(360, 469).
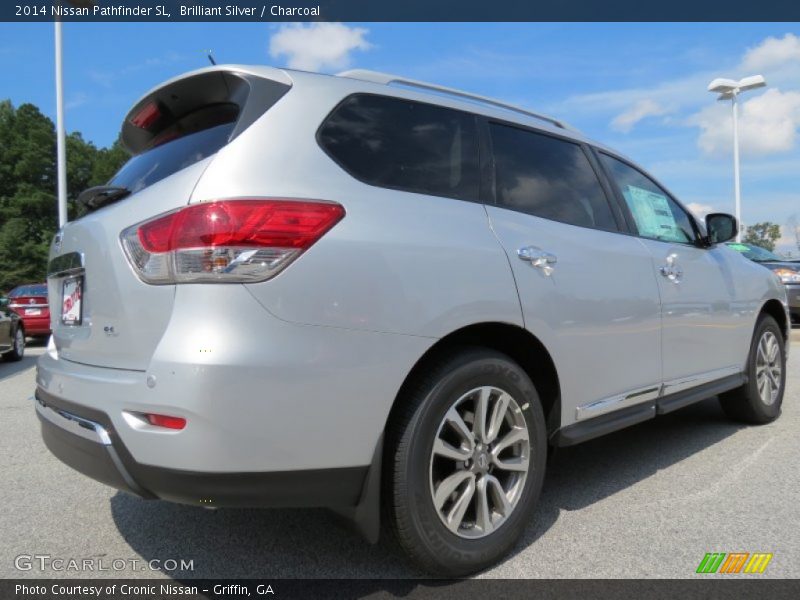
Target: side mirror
point(721, 227)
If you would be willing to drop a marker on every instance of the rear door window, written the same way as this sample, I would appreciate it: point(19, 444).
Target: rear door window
point(400, 144)
point(656, 214)
point(548, 177)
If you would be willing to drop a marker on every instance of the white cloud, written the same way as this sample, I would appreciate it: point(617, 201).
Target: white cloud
point(700, 210)
point(767, 124)
point(772, 52)
point(641, 109)
point(317, 46)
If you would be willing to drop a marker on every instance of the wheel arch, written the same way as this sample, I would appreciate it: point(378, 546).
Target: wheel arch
point(774, 308)
point(516, 342)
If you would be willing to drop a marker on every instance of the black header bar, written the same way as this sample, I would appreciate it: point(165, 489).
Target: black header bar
point(399, 10)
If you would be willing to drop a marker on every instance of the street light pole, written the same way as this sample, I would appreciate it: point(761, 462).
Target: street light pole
point(61, 141)
point(728, 89)
point(736, 184)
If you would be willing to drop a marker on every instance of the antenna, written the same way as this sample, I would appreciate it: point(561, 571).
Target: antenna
point(211, 58)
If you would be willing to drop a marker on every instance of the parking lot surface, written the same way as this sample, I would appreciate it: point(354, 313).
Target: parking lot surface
point(648, 501)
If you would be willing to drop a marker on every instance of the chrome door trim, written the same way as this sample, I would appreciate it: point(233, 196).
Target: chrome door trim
point(684, 383)
point(614, 403)
point(71, 263)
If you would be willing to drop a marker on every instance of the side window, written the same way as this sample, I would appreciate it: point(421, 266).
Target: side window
point(657, 216)
point(400, 144)
point(549, 178)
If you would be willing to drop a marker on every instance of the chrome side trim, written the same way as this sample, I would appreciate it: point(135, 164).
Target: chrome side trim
point(89, 430)
point(684, 383)
point(71, 263)
point(614, 403)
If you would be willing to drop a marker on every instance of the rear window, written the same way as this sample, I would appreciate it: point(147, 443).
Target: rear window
point(188, 141)
point(404, 145)
point(28, 290)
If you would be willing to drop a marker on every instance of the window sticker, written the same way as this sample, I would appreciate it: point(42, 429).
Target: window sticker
point(652, 214)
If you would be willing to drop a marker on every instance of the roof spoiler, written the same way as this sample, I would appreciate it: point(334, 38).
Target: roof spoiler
point(252, 92)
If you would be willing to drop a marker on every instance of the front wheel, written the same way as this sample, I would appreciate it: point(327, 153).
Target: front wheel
point(466, 460)
point(759, 400)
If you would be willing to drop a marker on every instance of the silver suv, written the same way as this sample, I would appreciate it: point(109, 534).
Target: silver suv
point(384, 297)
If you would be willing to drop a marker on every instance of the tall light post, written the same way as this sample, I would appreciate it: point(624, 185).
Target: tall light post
point(728, 89)
point(61, 137)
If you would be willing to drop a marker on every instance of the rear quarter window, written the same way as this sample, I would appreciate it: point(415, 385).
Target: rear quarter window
point(404, 145)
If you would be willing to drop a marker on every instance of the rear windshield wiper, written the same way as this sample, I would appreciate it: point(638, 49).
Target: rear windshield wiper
point(101, 195)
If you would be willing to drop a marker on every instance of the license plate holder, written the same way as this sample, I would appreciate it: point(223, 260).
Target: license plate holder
point(33, 312)
point(72, 301)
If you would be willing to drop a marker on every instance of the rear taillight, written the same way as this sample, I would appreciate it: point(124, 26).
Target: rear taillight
point(237, 241)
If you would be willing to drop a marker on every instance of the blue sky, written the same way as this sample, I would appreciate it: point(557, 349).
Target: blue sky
point(640, 88)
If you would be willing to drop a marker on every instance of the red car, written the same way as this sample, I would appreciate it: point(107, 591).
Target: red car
point(30, 303)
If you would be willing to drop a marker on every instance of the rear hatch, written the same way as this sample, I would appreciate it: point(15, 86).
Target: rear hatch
point(101, 313)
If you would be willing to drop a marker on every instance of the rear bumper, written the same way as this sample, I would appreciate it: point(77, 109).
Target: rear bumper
point(36, 325)
point(85, 440)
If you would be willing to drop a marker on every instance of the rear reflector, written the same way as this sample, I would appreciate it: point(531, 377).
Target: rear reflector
point(165, 421)
point(239, 241)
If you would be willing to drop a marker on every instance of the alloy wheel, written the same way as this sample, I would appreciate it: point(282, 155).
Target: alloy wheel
point(768, 368)
point(479, 462)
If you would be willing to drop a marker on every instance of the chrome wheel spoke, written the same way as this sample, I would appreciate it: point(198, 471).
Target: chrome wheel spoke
point(516, 435)
point(442, 448)
point(518, 463)
point(483, 513)
point(450, 485)
point(456, 515)
point(459, 426)
point(498, 494)
point(479, 428)
point(498, 417)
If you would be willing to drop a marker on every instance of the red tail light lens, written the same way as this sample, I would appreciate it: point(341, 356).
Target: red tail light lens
point(165, 421)
point(229, 240)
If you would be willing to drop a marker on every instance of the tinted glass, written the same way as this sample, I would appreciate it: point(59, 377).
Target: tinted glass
point(549, 178)
point(28, 290)
point(194, 138)
point(410, 146)
point(657, 216)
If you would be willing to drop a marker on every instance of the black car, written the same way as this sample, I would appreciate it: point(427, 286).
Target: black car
point(12, 333)
point(787, 270)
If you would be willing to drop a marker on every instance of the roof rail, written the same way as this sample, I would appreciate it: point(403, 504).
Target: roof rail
point(387, 79)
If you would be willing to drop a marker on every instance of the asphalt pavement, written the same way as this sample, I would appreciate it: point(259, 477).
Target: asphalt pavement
point(648, 501)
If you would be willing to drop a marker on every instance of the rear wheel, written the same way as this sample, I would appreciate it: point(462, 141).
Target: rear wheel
point(759, 400)
point(466, 461)
point(18, 346)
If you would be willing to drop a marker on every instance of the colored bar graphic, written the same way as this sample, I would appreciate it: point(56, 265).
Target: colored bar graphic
point(720, 562)
point(758, 562)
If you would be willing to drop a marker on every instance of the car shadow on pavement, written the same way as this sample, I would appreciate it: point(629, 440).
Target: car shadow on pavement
point(9, 369)
point(309, 543)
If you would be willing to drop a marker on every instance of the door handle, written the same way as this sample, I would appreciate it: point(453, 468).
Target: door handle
point(671, 270)
point(538, 258)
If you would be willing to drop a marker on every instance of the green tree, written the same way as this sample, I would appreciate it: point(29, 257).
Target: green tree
point(763, 234)
point(28, 213)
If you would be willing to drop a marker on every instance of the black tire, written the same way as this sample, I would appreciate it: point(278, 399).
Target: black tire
point(18, 347)
point(412, 515)
point(745, 404)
